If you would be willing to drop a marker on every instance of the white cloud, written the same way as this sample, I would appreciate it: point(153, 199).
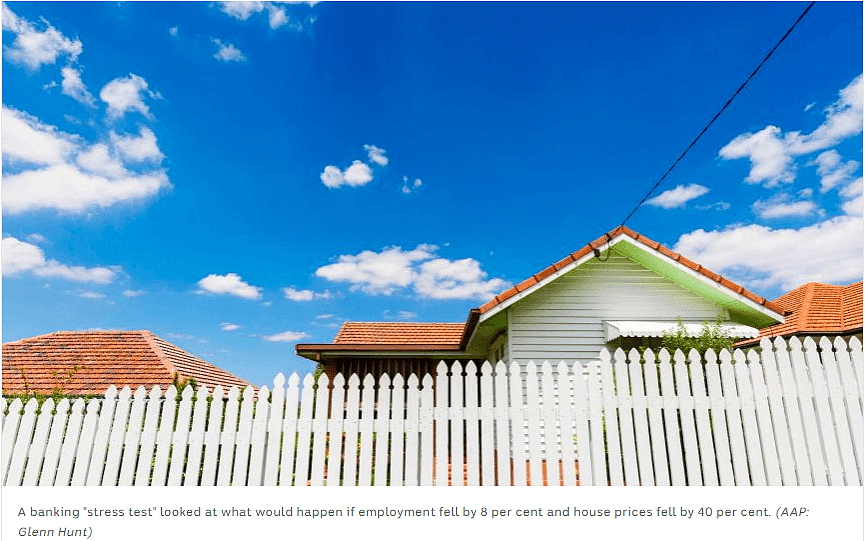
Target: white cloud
point(293, 294)
point(409, 188)
point(357, 174)
point(833, 172)
point(138, 149)
point(240, 10)
point(772, 154)
point(718, 205)
point(173, 31)
point(809, 106)
point(405, 314)
point(225, 326)
point(286, 336)
point(67, 188)
point(393, 269)
point(230, 284)
point(125, 94)
point(36, 237)
point(276, 15)
point(762, 257)
point(74, 87)
point(26, 139)
point(32, 47)
point(91, 295)
point(133, 293)
point(20, 257)
point(226, 52)
point(782, 208)
point(68, 174)
point(376, 154)
point(678, 196)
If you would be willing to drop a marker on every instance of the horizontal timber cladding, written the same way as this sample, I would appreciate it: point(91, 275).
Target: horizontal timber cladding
point(564, 320)
point(786, 413)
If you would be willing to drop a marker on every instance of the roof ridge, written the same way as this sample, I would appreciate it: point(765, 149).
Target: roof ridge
point(151, 340)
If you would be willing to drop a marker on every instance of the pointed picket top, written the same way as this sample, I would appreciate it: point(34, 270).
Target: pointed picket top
point(218, 392)
point(368, 381)
point(726, 356)
point(753, 356)
point(649, 356)
point(233, 393)
point(711, 356)
point(854, 343)
point(249, 393)
point(110, 392)
point(31, 406)
point(201, 393)
point(279, 380)
point(442, 368)
point(531, 368)
point(514, 368)
point(63, 405)
point(92, 406)
point(562, 368)
point(809, 344)
point(47, 406)
point(765, 343)
point(187, 393)
point(471, 369)
point(263, 394)
point(694, 356)
point(308, 381)
point(353, 381)
point(796, 344)
point(634, 356)
point(605, 355)
point(413, 380)
point(825, 343)
point(779, 343)
point(840, 344)
point(155, 392)
point(170, 393)
point(383, 382)
point(679, 356)
point(619, 356)
point(293, 380)
point(140, 393)
point(398, 381)
point(125, 393)
point(77, 406)
point(739, 356)
point(338, 380)
point(664, 355)
point(323, 380)
point(427, 381)
point(486, 368)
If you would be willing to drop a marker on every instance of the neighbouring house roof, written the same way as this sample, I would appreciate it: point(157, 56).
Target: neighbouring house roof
point(816, 308)
point(105, 358)
point(385, 337)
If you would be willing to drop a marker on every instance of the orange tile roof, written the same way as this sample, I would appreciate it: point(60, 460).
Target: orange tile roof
point(391, 333)
point(599, 243)
point(105, 358)
point(817, 308)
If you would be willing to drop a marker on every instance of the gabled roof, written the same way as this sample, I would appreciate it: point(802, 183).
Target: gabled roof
point(607, 238)
point(104, 358)
point(402, 333)
point(816, 308)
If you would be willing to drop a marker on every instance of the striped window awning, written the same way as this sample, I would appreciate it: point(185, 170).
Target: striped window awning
point(615, 329)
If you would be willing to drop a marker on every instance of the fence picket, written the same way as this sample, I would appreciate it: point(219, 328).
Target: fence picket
point(567, 413)
point(227, 438)
point(382, 432)
point(100, 442)
point(51, 463)
point(36, 452)
point(519, 433)
point(805, 396)
point(22, 443)
point(701, 416)
point(116, 440)
point(132, 438)
point(412, 429)
point(794, 414)
point(69, 449)
point(611, 419)
point(212, 437)
point(849, 382)
point(289, 432)
point(824, 413)
point(533, 415)
point(670, 401)
point(442, 428)
point(274, 431)
point(258, 438)
point(748, 410)
point(337, 412)
point(352, 408)
point(502, 454)
point(732, 403)
point(626, 418)
point(598, 464)
point(456, 411)
point(304, 431)
point(718, 408)
point(654, 404)
point(780, 430)
point(688, 423)
point(487, 426)
point(319, 431)
point(180, 437)
point(427, 429)
point(85, 443)
point(472, 421)
point(550, 448)
point(641, 420)
point(163, 437)
point(367, 413)
point(196, 438)
point(397, 438)
point(11, 420)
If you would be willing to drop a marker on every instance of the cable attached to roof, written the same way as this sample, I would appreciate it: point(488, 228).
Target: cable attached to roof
point(729, 101)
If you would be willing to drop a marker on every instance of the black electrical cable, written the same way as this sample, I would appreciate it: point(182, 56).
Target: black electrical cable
point(729, 101)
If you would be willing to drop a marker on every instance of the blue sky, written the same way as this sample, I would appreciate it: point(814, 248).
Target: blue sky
point(240, 177)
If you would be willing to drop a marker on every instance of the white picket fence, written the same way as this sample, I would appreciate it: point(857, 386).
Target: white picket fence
point(779, 416)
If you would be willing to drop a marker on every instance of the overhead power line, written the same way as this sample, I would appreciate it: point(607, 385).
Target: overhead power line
point(714, 118)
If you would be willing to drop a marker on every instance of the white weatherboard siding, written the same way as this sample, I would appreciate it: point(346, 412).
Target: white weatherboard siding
point(564, 319)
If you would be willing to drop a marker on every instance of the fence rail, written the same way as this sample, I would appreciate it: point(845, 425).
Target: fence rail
point(787, 414)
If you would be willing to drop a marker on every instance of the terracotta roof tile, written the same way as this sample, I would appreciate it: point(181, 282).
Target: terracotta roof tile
point(622, 230)
point(817, 308)
point(393, 333)
point(102, 358)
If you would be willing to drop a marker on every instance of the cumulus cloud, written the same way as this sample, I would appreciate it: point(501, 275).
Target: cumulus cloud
point(782, 207)
point(407, 187)
point(50, 169)
point(227, 52)
point(277, 16)
point(772, 153)
point(125, 94)
point(294, 294)
point(228, 284)
point(173, 31)
point(21, 257)
point(74, 87)
point(678, 196)
point(833, 170)
point(286, 336)
point(225, 326)
point(763, 257)
point(33, 47)
point(130, 293)
point(393, 269)
point(357, 174)
point(376, 154)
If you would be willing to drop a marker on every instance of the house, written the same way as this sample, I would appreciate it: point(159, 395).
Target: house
point(815, 310)
point(88, 362)
point(622, 289)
